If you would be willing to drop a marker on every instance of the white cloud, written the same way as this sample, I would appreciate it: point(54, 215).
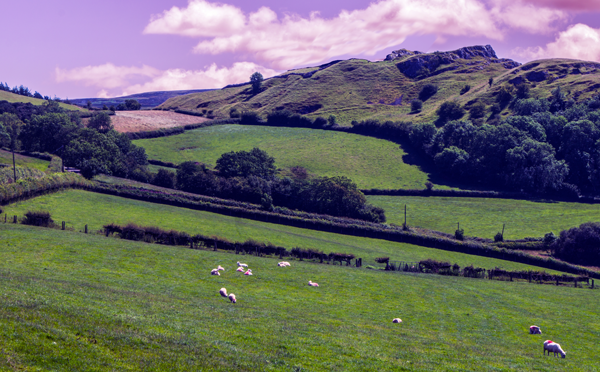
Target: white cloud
point(579, 41)
point(292, 40)
point(117, 80)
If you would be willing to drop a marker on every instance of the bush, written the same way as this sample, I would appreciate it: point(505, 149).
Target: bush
point(498, 237)
point(39, 218)
point(465, 89)
point(234, 113)
point(164, 178)
point(427, 92)
point(250, 117)
point(384, 260)
point(459, 234)
point(416, 105)
point(450, 110)
point(580, 245)
point(477, 110)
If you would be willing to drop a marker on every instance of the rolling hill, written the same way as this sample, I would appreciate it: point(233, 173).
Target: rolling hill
point(147, 99)
point(357, 89)
point(11, 97)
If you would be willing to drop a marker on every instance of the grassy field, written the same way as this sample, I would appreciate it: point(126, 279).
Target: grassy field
point(370, 162)
point(11, 97)
point(79, 208)
point(23, 161)
point(70, 301)
point(484, 217)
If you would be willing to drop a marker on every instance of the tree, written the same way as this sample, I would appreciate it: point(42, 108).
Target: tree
point(477, 110)
point(255, 162)
point(256, 79)
point(101, 122)
point(450, 110)
point(416, 105)
point(491, 81)
point(132, 105)
point(164, 178)
point(427, 92)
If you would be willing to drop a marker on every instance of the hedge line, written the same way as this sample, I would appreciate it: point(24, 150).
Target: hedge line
point(347, 226)
point(165, 132)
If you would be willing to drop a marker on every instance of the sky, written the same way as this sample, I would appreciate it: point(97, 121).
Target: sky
point(84, 48)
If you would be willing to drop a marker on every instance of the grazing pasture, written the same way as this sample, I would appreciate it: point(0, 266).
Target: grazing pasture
point(370, 162)
point(23, 161)
point(79, 208)
point(138, 121)
point(70, 301)
point(484, 217)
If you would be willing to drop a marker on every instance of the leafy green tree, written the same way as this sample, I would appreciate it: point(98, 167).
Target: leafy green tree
point(477, 110)
point(47, 133)
point(132, 104)
point(256, 79)
point(164, 178)
point(427, 92)
point(255, 162)
point(453, 161)
point(416, 105)
point(332, 121)
point(94, 153)
point(450, 110)
point(528, 125)
point(101, 122)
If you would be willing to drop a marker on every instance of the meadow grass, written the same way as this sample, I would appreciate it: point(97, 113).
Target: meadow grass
point(23, 161)
point(11, 97)
point(370, 162)
point(485, 217)
point(78, 208)
point(70, 301)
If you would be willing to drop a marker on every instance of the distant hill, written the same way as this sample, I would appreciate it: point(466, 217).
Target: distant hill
point(358, 89)
point(11, 97)
point(147, 100)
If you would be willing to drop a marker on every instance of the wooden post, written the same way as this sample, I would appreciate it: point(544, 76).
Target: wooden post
point(63, 227)
point(86, 229)
point(15, 219)
point(503, 231)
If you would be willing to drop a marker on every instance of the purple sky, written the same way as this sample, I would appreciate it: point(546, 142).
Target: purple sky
point(76, 49)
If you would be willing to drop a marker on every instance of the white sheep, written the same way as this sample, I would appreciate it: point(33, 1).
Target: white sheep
point(220, 268)
point(232, 298)
point(240, 269)
point(223, 292)
point(283, 264)
point(397, 320)
point(552, 346)
point(214, 272)
point(312, 284)
point(249, 272)
point(241, 264)
point(535, 330)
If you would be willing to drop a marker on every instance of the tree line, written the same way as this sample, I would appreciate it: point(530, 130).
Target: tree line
point(23, 91)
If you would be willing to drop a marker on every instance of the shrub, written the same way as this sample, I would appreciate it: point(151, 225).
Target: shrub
point(164, 178)
point(459, 234)
point(38, 218)
point(416, 105)
point(450, 110)
point(234, 113)
point(429, 185)
point(498, 237)
point(427, 92)
point(580, 245)
point(477, 110)
point(384, 260)
point(465, 89)
point(250, 117)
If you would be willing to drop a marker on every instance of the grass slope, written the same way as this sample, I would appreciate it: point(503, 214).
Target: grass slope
point(23, 161)
point(70, 301)
point(484, 217)
point(11, 97)
point(79, 208)
point(370, 162)
point(358, 89)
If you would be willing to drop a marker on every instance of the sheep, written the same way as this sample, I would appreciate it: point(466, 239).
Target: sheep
point(241, 264)
point(397, 320)
point(223, 292)
point(312, 284)
point(220, 268)
point(240, 269)
point(535, 330)
point(214, 272)
point(249, 272)
point(552, 346)
point(232, 298)
point(283, 264)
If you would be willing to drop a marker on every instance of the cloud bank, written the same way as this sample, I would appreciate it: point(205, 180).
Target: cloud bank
point(293, 41)
point(579, 41)
point(118, 80)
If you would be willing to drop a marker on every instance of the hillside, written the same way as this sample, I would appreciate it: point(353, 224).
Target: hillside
point(147, 99)
point(11, 97)
point(358, 89)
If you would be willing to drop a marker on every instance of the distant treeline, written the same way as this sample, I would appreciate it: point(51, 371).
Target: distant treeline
point(24, 91)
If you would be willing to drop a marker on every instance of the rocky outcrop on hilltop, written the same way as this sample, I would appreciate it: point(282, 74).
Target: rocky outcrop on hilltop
point(422, 65)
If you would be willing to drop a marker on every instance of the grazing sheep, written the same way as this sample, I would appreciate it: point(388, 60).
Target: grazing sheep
point(397, 320)
point(283, 264)
point(220, 268)
point(214, 272)
point(535, 330)
point(310, 283)
point(240, 269)
point(241, 264)
point(232, 298)
point(223, 292)
point(552, 346)
point(249, 272)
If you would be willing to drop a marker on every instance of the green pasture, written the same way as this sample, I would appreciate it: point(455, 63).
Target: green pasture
point(11, 97)
point(485, 217)
point(78, 208)
point(370, 162)
point(23, 161)
point(76, 302)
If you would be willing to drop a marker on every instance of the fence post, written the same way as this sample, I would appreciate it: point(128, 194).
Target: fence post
point(15, 219)
point(63, 227)
point(86, 229)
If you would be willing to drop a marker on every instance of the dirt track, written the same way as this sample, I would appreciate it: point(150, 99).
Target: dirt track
point(138, 121)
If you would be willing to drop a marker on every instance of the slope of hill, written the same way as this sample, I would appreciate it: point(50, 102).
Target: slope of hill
point(358, 89)
point(147, 99)
point(11, 97)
